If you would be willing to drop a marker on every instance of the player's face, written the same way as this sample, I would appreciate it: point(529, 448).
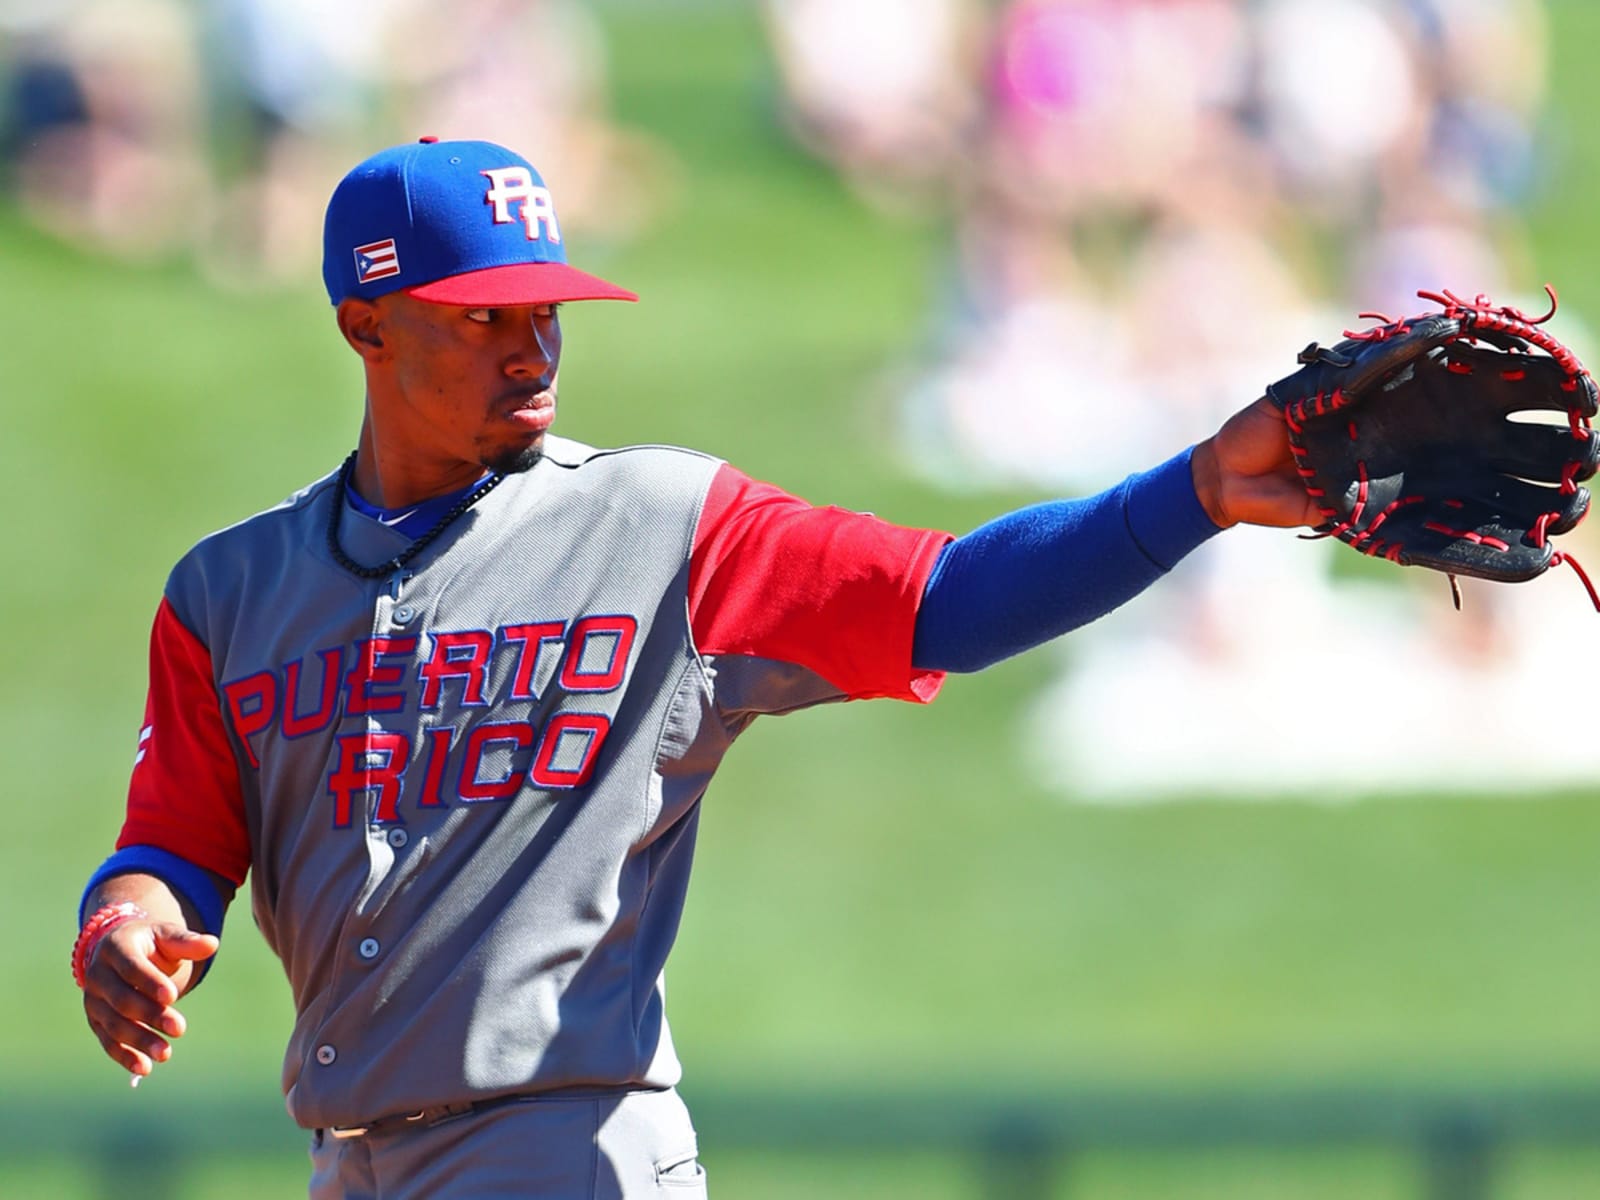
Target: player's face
point(470, 386)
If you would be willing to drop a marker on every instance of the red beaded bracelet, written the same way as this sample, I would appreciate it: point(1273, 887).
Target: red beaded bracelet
point(101, 922)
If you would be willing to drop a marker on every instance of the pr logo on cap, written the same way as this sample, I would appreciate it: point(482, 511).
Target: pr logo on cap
point(516, 183)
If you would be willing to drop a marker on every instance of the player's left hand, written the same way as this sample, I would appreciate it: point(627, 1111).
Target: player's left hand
point(1244, 473)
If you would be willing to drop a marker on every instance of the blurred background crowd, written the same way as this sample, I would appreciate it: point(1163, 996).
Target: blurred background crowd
point(1152, 204)
point(217, 128)
point(1110, 168)
point(1148, 195)
point(1149, 204)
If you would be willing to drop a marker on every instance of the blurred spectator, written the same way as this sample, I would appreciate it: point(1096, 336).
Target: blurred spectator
point(304, 64)
point(1421, 241)
point(103, 130)
point(1338, 97)
point(297, 88)
point(463, 70)
point(1484, 63)
point(318, 86)
point(1217, 290)
point(882, 91)
point(43, 97)
point(1100, 102)
point(1050, 376)
point(1024, 372)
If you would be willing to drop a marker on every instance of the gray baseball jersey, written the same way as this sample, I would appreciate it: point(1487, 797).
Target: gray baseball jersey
point(466, 794)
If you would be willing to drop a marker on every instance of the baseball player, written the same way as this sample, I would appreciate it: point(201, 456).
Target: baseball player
point(452, 708)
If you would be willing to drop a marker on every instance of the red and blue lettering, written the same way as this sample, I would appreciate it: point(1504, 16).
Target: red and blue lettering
point(439, 741)
point(597, 653)
point(295, 725)
point(463, 656)
point(529, 639)
point(370, 673)
point(252, 703)
point(589, 729)
point(473, 789)
point(494, 760)
point(373, 761)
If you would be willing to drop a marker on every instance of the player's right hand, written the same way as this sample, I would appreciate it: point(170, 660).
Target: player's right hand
point(135, 976)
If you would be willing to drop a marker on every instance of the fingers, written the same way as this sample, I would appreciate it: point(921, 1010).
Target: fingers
point(184, 944)
point(131, 953)
point(175, 948)
point(1253, 441)
point(1273, 500)
point(130, 1060)
point(130, 1001)
point(131, 1044)
point(128, 996)
point(1246, 474)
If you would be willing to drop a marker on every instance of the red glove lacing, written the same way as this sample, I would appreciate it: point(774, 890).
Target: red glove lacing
point(1481, 312)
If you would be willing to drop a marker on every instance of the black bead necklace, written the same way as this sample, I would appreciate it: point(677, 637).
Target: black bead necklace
point(411, 551)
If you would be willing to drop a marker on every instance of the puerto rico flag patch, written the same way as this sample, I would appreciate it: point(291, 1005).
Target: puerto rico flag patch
point(376, 260)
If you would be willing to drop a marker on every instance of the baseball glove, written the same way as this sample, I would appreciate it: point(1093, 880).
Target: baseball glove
point(1405, 436)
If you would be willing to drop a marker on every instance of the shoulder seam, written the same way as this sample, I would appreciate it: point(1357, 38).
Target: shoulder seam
point(615, 451)
point(291, 504)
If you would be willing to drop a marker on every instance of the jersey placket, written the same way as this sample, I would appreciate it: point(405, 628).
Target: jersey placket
point(395, 614)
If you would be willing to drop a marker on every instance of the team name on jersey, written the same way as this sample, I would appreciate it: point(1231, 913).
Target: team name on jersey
point(466, 669)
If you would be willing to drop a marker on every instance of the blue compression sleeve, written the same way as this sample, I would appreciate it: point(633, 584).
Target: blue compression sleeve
point(205, 893)
point(194, 884)
point(1039, 572)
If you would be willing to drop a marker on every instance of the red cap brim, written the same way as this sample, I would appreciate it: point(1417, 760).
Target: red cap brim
point(520, 283)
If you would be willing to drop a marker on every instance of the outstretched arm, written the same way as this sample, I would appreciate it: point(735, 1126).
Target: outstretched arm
point(135, 973)
point(1034, 574)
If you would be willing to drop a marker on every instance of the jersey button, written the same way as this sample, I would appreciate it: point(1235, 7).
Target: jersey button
point(403, 614)
point(369, 948)
point(398, 838)
point(326, 1054)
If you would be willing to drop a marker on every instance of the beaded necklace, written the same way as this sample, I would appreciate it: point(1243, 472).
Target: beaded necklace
point(411, 551)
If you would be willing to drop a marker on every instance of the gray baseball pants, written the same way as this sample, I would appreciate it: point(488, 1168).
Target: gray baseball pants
point(617, 1146)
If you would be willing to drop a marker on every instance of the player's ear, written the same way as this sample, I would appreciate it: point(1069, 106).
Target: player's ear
point(362, 325)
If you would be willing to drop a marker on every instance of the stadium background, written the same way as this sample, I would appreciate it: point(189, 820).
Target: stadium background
point(895, 927)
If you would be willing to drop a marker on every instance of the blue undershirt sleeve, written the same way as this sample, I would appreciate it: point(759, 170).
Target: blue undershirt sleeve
point(1041, 571)
point(206, 893)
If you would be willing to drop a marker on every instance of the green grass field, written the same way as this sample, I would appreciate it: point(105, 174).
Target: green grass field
point(882, 894)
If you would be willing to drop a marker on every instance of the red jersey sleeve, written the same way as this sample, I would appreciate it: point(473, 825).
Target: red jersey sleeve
point(827, 589)
point(184, 796)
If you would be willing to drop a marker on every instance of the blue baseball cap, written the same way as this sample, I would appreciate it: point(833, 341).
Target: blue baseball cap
point(467, 223)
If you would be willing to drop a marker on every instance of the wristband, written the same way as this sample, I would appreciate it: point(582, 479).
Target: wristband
point(104, 919)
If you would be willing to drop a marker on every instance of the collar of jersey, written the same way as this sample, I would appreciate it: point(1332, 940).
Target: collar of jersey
point(413, 520)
